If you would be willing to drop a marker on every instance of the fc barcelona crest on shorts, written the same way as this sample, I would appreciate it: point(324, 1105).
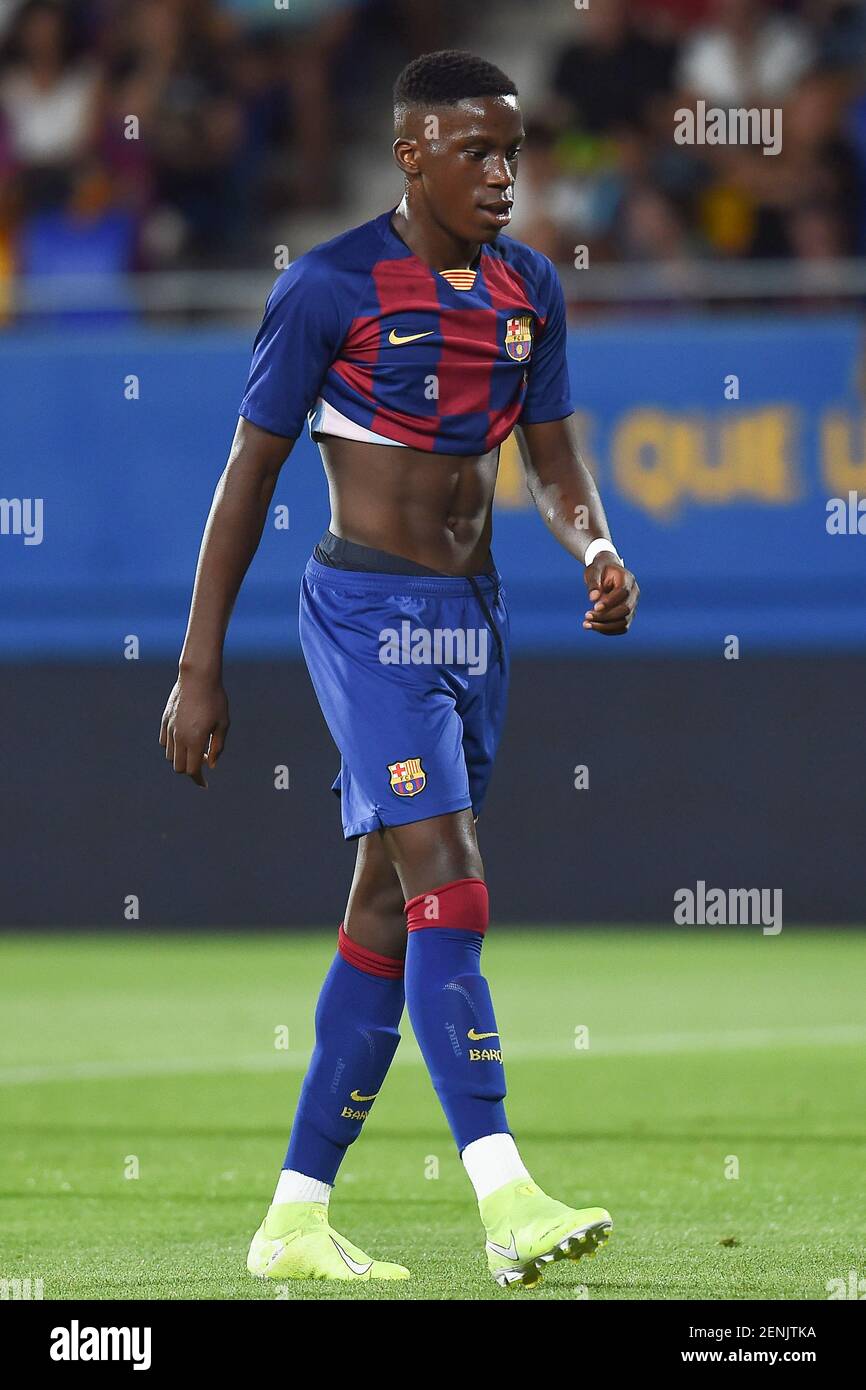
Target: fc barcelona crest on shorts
point(407, 778)
point(518, 337)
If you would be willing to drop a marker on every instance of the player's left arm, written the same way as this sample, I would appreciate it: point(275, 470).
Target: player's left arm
point(564, 491)
point(559, 481)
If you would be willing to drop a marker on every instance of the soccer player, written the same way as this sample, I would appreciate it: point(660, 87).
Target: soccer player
point(414, 344)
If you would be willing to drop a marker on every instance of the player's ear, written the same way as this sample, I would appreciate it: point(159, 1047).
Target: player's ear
point(406, 154)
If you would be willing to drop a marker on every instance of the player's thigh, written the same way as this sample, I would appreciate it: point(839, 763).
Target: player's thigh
point(429, 853)
point(374, 913)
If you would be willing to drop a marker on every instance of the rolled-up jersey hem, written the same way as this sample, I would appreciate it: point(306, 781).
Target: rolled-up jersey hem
point(325, 418)
point(422, 441)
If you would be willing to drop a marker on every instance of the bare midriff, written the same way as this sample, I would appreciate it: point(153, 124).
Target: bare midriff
point(434, 509)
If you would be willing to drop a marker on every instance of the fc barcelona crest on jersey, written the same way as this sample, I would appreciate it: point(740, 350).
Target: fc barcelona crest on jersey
point(518, 337)
point(407, 778)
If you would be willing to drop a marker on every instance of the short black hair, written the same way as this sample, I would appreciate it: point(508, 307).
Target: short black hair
point(448, 76)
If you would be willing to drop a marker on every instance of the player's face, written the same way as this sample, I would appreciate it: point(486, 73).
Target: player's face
point(467, 161)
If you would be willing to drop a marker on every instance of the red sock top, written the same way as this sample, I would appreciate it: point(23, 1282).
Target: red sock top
point(364, 959)
point(463, 904)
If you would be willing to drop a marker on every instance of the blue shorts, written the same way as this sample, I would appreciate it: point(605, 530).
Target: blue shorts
point(411, 674)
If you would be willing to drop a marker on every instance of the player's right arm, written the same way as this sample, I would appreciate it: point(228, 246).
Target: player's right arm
point(196, 718)
point(303, 324)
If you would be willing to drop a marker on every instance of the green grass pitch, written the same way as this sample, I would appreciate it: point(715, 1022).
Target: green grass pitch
point(709, 1049)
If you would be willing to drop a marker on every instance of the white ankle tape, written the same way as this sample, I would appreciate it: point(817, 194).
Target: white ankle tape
point(491, 1162)
point(297, 1187)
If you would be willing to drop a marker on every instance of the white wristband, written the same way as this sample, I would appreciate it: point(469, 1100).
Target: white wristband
point(596, 547)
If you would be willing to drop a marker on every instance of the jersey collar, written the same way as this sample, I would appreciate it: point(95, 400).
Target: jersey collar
point(462, 278)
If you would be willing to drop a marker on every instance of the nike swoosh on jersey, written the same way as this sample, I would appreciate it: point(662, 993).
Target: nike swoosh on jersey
point(354, 1266)
point(476, 1037)
point(353, 1095)
point(395, 340)
point(507, 1253)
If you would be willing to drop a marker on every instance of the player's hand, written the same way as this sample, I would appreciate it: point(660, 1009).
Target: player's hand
point(194, 725)
point(613, 595)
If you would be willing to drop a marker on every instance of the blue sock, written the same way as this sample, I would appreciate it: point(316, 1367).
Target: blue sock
point(357, 1018)
point(451, 1009)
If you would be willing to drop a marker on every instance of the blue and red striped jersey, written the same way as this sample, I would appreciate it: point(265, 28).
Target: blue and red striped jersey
point(449, 361)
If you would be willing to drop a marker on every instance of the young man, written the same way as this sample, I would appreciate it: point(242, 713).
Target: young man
point(415, 344)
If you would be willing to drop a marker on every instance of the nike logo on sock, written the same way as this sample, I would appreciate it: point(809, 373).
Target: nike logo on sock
point(354, 1266)
point(476, 1037)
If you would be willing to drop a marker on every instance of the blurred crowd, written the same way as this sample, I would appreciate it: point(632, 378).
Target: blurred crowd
point(141, 134)
point(603, 168)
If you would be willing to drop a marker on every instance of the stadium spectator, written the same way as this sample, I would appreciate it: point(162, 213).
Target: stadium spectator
point(88, 235)
point(746, 55)
point(611, 75)
point(672, 16)
point(816, 164)
point(817, 233)
point(652, 228)
point(307, 36)
point(48, 94)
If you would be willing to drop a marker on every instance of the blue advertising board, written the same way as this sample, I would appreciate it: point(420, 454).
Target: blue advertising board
point(730, 452)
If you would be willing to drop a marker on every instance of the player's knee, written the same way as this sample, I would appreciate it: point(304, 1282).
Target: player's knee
point(375, 921)
point(441, 850)
point(374, 914)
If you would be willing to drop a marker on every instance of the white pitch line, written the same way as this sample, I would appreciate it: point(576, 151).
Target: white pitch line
point(628, 1045)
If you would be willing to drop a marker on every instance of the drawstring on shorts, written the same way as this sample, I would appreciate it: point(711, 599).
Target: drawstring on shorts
point(488, 615)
